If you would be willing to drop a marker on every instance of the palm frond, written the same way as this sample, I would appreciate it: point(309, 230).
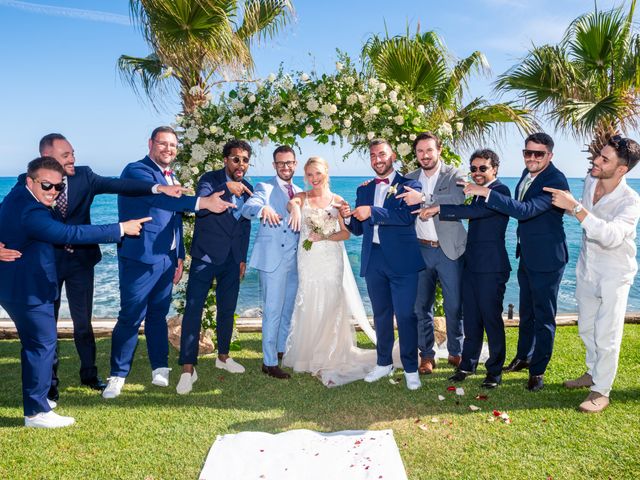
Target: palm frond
point(263, 19)
point(144, 74)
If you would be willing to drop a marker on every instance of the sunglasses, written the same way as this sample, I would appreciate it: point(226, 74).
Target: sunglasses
point(482, 168)
point(237, 159)
point(533, 153)
point(46, 186)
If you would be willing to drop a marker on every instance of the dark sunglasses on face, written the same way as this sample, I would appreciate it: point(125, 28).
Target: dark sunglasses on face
point(533, 153)
point(46, 186)
point(237, 159)
point(482, 168)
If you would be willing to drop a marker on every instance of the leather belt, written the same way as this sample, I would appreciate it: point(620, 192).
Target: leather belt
point(430, 243)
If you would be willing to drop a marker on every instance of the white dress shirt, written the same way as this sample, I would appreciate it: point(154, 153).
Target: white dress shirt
point(609, 233)
point(379, 197)
point(426, 229)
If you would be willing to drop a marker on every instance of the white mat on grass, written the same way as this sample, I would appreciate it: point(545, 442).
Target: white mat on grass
point(305, 454)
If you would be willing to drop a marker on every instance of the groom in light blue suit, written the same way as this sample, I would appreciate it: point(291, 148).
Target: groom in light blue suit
point(275, 256)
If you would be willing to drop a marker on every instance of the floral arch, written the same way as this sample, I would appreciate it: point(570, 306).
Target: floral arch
point(343, 107)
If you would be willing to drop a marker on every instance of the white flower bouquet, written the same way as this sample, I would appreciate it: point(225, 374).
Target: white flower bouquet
point(322, 223)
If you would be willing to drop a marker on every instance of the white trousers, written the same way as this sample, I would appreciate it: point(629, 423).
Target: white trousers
point(601, 309)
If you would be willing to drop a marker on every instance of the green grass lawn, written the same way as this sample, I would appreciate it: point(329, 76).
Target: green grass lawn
point(152, 433)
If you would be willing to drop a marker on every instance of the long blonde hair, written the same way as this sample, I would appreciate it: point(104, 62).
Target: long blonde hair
point(321, 164)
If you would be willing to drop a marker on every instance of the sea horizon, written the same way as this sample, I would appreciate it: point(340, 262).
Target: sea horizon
point(106, 296)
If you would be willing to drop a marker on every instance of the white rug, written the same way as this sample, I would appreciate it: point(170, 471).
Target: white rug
point(305, 454)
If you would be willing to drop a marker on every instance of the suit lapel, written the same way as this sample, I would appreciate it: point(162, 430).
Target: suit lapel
point(157, 173)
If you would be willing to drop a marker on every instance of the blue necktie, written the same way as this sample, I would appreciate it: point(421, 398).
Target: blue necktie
point(238, 202)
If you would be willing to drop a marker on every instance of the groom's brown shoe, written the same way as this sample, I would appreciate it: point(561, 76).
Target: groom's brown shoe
point(427, 365)
point(276, 372)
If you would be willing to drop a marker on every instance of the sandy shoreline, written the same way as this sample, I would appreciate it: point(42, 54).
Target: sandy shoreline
point(102, 327)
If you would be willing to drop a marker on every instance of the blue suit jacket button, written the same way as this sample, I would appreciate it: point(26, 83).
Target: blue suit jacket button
point(282, 245)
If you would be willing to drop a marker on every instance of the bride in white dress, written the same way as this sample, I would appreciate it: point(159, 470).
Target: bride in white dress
point(322, 337)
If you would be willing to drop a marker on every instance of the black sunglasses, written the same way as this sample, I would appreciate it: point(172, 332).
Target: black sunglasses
point(237, 159)
point(46, 186)
point(535, 153)
point(482, 168)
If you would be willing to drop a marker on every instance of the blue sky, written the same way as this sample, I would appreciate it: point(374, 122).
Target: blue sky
point(59, 69)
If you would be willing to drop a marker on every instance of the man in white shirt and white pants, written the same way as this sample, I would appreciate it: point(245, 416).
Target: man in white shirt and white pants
point(607, 265)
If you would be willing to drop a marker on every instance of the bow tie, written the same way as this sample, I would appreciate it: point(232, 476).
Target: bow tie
point(167, 173)
point(381, 180)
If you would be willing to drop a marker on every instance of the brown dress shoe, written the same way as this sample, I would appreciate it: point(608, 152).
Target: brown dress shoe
point(427, 365)
point(276, 372)
point(454, 360)
point(594, 403)
point(584, 381)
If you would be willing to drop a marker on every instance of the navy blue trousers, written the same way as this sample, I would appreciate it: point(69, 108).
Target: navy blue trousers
point(391, 293)
point(482, 296)
point(36, 327)
point(145, 294)
point(201, 277)
point(538, 306)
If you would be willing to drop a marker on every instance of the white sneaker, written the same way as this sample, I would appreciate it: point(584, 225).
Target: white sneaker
point(160, 377)
point(114, 386)
point(230, 365)
point(48, 419)
point(378, 373)
point(186, 382)
point(52, 403)
point(413, 380)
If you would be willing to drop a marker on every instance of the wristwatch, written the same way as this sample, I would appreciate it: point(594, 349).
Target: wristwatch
point(577, 209)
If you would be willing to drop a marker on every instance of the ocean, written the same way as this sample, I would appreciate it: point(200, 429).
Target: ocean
point(106, 299)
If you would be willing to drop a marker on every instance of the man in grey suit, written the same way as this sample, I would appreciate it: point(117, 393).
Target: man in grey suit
point(442, 245)
point(275, 256)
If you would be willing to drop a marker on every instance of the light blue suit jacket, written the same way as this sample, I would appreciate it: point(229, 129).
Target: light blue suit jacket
point(272, 243)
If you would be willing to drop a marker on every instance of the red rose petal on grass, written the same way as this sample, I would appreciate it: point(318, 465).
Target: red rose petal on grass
point(497, 413)
point(451, 388)
point(482, 397)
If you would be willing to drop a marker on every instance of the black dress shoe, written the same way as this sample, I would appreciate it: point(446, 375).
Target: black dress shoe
point(535, 383)
point(94, 383)
point(280, 355)
point(516, 365)
point(53, 394)
point(491, 381)
point(459, 376)
point(276, 372)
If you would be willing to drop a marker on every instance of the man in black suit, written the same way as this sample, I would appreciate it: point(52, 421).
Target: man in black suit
point(543, 253)
point(75, 263)
point(486, 271)
point(218, 252)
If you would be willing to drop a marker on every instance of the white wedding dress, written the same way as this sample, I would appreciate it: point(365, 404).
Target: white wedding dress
point(322, 337)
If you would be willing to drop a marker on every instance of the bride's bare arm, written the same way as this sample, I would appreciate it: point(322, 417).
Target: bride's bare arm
point(343, 233)
point(295, 214)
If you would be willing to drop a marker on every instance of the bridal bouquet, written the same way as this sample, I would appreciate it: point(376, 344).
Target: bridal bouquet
point(320, 222)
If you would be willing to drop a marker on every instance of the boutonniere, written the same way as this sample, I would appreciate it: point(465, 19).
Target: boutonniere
point(393, 190)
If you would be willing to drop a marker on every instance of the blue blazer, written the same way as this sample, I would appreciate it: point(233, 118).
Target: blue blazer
point(272, 243)
point(542, 245)
point(29, 226)
point(485, 251)
point(83, 187)
point(215, 235)
point(156, 237)
point(396, 230)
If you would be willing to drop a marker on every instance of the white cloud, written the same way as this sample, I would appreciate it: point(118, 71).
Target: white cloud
point(91, 15)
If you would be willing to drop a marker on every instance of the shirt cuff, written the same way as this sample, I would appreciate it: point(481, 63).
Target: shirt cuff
point(197, 207)
point(347, 221)
point(486, 199)
point(121, 230)
point(154, 189)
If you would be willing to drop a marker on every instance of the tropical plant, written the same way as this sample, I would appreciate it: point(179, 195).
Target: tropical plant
point(586, 85)
point(198, 42)
point(423, 69)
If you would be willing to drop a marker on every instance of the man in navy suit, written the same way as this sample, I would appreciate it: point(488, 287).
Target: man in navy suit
point(29, 285)
point(390, 261)
point(543, 253)
point(151, 264)
point(75, 264)
point(485, 273)
point(218, 252)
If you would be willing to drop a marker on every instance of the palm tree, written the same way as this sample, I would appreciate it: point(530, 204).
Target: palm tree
point(588, 84)
point(422, 67)
point(197, 41)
